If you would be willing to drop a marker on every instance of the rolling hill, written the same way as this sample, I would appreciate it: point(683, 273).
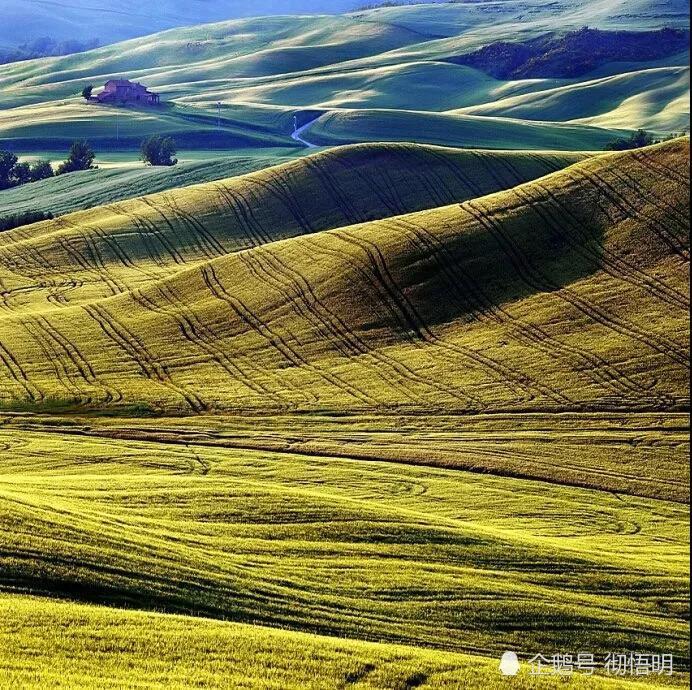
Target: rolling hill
point(352, 126)
point(362, 405)
point(103, 185)
point(379, 65)
point(167, 651)
point(328, 190)
point(111, 21)
point(646, 98)
point(370, 417)
point(447, 568)
point(512, 276)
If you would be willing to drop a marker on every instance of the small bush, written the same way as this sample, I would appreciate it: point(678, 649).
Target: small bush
point(17, 220)
point(81, 157)
point(158, 150)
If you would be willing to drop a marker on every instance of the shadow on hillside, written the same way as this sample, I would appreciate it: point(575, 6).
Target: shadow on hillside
point(485, 260)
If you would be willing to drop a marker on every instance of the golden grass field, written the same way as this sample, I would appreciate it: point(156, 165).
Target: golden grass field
point(365, 419)
point(565, 293)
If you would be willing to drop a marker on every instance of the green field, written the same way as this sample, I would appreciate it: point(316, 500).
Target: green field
point(363, 415)
point(367, 418)
point(119, 176)
point(442, 567)
point(352, 126)
point(345, 310)
point(380, 75)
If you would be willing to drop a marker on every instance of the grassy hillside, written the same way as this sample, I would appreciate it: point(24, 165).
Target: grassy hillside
point(351, 126)
point(365, 418)
point(265, 70)
point(492, 450)
point(381, 314)
point(85, 256)
point(634, 99)
point(166, 651)
point(56, 125)
point(433, 558)
point(89, 188)
point(81, 19)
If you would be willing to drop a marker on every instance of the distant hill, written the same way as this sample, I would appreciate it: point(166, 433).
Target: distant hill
point(374, 75)
point(110, 20)
point(574, 54)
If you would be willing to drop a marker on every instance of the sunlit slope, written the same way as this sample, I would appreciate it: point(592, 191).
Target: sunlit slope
point(657, 99)
point(567, 293)
point(198, 57)
point(174, 651)
point(428, 85)
point(535, 15)
point(167, 651)
point(89, 188)
point(54, 125)
point(111, 249)
point(452, 129)
point(427, 557)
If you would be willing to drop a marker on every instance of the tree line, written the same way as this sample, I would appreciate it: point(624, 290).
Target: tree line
point(638, 140)
point(156, 150)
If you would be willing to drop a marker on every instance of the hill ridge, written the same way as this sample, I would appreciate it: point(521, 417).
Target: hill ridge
point(329, 189)
point(283, 311)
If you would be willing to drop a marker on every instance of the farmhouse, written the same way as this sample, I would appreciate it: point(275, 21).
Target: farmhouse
point(124, 91)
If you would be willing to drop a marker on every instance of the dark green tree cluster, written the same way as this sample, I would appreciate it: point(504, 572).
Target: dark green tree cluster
point(159, 150)
point(638, 140)
point(80, 157)
point(14, 173)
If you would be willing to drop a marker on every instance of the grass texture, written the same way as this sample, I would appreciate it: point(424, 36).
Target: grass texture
point(565, 293)
point(429, 558)
point(364, 419)
point(129, 179)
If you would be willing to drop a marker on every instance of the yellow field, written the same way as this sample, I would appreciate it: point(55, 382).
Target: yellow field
point(566, 293)
point(365, 419)
point(170, 516)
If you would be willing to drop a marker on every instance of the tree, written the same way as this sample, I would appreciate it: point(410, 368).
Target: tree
point(13, 173)
point(158, 150)
point(81, 157)
point(637, 140)
point(86, 92)
point(21, 174)
point(7, 162)
point(41, 170)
